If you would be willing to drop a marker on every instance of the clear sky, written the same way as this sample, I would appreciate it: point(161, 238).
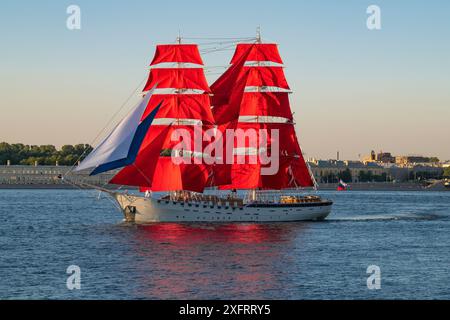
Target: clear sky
point(354, 89)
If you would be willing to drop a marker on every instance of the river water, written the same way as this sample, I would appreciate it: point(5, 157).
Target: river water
point(405, 234)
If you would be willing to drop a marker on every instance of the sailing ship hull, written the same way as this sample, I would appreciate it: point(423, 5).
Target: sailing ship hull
point(141, 210)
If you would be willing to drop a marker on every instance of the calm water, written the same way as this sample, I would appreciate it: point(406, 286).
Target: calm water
point(407, 234)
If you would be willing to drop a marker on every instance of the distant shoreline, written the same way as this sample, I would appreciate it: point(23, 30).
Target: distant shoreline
point(375, 186)
point(47, 186)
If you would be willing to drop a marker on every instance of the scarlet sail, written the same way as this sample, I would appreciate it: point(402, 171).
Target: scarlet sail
point(177, 78)
point(179, 53)
point(186, 106)
point(182, 106)
point(257, 52)
point(253, 94)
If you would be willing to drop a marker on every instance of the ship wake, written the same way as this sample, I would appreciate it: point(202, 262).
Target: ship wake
point(391, 217)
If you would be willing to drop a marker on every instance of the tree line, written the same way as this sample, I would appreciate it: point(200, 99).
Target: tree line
point(447, 172)
point(21, 154)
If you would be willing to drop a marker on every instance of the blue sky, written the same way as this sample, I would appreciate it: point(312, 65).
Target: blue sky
point(354, 89)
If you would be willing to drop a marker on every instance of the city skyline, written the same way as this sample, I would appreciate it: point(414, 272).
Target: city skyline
point(354, 89)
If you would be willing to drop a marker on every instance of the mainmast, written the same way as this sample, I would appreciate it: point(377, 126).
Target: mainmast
point(254, 94)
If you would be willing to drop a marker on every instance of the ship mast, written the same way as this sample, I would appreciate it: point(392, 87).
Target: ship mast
point(183, 93)
point(259, 99)
point(253, 192)
point(258, 35)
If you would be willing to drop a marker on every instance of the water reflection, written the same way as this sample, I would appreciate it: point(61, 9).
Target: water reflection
point(176, 260)
point(188, 234)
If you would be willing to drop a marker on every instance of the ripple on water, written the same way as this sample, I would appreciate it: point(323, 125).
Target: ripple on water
point(44, 231)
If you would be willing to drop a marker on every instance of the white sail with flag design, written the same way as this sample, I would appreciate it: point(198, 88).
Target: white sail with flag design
point(118, 148)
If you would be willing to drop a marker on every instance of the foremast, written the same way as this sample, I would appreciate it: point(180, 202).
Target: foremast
point(183, 93)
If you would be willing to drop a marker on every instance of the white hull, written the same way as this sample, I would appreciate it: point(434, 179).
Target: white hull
point(140, 209)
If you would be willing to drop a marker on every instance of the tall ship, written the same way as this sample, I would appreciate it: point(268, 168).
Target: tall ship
point(221, 153)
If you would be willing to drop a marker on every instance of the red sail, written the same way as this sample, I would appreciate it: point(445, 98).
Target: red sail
point(227, 109)
point(246, 105)
point(155, 168)
point(142, 171)
point(177, 78)
point(170, 176)
point(263, 103)
point(258, 52)
point(180, 53)
point(300, 171)
point(181, 106)
point(231, 79)
point(292, 170)
point(266, 77)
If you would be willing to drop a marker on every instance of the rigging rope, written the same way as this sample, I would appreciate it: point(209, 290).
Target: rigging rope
point(219, 38)
point(221, 42)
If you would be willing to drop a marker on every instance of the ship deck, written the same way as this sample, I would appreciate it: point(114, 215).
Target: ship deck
point(232, 201)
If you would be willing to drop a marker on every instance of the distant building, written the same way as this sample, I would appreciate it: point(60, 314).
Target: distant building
point(385, 157)
point(406, 160)
point(326, 171)
point(46, 175)
point(372, 157)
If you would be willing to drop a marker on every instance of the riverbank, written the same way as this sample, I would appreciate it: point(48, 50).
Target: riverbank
point(378, 186)
point(58, 186)
point(372, 186)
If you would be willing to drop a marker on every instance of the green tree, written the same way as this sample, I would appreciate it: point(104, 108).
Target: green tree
point(366, 176)
point(5, 151)
point(45, 154)
point(67, 150)
point(447, 172)
point(380, 177)
point(346, 175)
